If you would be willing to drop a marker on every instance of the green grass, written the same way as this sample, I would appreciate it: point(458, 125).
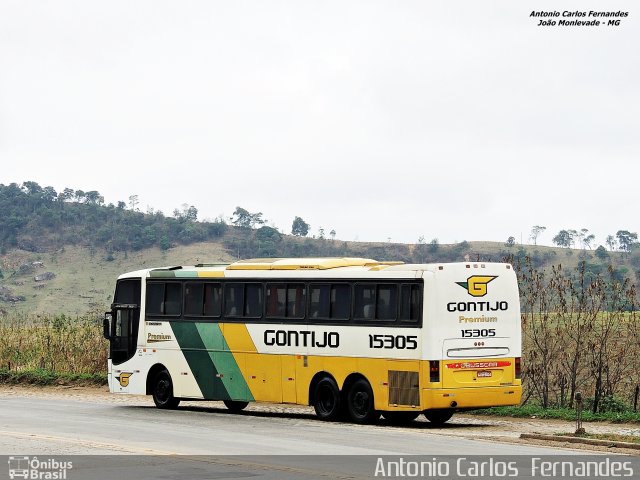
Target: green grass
point(533, 411)
point(44, 377)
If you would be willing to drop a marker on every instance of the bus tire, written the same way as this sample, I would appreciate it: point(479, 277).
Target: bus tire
point(399, 418)
point(326, 399)
point(438, 417)
point(163, 391)
point(360, 404)
point(235, 405)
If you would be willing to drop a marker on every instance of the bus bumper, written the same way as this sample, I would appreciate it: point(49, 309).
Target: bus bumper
point(468, 398)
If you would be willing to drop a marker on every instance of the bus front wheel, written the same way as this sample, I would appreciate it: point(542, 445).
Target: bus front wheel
point(360, 403)
point(438, 417)
point(326, 399)
point(163, 391)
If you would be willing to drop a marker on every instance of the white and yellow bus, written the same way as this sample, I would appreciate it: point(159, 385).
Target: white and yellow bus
point(354, 338)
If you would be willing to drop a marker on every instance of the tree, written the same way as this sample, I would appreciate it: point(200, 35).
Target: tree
point(246, 219)
point(611, 242)
point(511, 241)
point(188, 213)
point(333, 234)
point(300, 228)
point(601, 253)
point(564, 238)
point(626, 239)
point(133, 202)
point(321, 233)
point(535, 233)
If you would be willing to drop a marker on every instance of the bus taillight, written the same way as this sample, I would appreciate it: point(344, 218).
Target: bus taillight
point(518, 367)
point(434, 370)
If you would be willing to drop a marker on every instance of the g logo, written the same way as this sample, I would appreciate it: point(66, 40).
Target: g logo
point(124, 379)
point(476, 285)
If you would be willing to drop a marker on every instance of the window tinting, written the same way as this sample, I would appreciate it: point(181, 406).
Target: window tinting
point(376, 302)
point(212, 299)
point(164, 298)
point(193, 298)
point(243, 300)
point(172, 298)
point(330, 301)
point(387, 302)
point(155, 298)
point(253, 300)
point(285, 300)
point(409, 303)
point(128, 291)
point(233, 299)
point(202, 299)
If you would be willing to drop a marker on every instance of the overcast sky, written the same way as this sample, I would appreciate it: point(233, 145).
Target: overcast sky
point(452, 120)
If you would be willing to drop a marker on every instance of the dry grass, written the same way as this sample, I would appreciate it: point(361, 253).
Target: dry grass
point(57, 344)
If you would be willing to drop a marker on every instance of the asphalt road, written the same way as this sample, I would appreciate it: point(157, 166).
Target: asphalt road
point(251, 444)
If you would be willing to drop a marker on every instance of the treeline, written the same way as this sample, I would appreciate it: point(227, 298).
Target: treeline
point(36, 219)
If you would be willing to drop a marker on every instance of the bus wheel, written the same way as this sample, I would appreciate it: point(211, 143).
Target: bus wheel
point(326, 399)
point(360, 403)
point(438, 417)
point(400, 417)
point(163, 391)
point(235, 406)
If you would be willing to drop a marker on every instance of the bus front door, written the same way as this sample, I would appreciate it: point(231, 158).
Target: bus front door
point(121, 329)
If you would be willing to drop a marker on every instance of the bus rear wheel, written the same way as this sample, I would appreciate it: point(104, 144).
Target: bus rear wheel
point(235, 406)
point(163, 391)
point(438, 417)
point(326, 399)
point(360, 403)
point(400, 417)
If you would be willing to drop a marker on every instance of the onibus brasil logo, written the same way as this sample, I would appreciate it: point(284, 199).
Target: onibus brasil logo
point(33, 468)
point(476, 285)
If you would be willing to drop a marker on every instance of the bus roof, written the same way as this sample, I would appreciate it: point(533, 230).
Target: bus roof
point(257, 265)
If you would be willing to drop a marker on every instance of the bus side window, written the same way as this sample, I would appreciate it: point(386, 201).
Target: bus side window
point(172, 299)
point(212, 300)
point(233, 299)
point(276, 299)
point(365, 297)
point(409, 303)
point(253, 300)
point(155, 298)
point(340, 301)
point(193, 298)
point(285, 300)
point(319, 297)
point(387, 302)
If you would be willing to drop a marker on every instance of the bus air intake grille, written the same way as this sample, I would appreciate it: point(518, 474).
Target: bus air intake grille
point(404, 388)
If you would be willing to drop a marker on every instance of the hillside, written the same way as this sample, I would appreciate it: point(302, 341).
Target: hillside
point(61, 253)
point(82, 279)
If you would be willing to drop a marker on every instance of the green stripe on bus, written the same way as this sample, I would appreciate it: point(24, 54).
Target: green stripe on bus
point(224, 361)
point(200, 363)
point(211, 363)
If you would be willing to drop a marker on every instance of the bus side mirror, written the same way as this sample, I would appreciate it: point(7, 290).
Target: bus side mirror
point(106, 325)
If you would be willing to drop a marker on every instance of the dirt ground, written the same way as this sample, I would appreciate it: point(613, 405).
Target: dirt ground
point(490, 428)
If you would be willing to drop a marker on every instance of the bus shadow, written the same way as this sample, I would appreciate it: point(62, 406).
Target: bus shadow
point(419, 424)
